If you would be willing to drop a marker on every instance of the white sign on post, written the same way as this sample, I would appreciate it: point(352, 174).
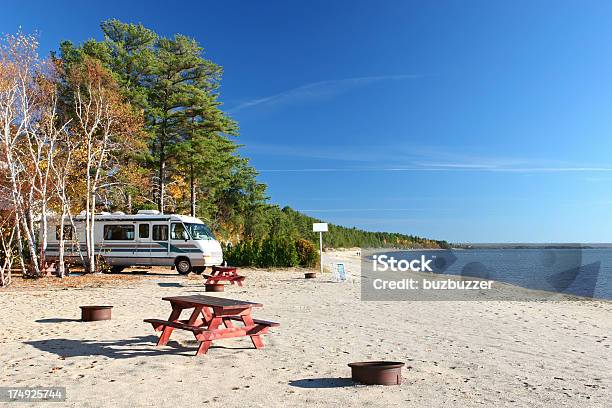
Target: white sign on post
point(320, 227)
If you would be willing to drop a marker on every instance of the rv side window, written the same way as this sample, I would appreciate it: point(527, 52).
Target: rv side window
point(67, 232)
point(118, 232)
point(178, 231)
point(143, 230)
point(160, 232)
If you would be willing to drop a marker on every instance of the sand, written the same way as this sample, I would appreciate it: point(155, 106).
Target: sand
point(456, 353)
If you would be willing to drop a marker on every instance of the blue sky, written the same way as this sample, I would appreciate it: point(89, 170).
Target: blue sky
point(471, 121)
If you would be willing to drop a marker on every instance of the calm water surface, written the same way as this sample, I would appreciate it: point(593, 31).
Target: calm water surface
point(582, 272)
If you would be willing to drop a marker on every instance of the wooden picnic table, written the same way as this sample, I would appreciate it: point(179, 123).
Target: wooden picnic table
point(208, 316)
point(224, 273)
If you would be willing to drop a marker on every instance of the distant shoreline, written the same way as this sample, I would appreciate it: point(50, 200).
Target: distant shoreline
point(532, 246)
point(486, 246)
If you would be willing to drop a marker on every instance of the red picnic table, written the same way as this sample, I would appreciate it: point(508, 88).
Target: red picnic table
point(224, 273)
point(209, 313)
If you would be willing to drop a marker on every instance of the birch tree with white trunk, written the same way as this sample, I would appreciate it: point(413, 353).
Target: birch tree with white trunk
point(8, 233)
point(104, 123)
point(24, 149)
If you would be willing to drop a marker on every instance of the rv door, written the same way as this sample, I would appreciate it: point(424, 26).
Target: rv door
point(142, 249)
point(160, 250)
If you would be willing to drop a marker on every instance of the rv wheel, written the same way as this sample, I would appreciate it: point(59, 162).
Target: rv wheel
point(183, 266)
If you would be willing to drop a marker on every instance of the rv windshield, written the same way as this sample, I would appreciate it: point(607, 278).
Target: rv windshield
point(200, 232)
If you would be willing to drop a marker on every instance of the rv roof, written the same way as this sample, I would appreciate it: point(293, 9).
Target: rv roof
point(143, 217)
point(149, 212)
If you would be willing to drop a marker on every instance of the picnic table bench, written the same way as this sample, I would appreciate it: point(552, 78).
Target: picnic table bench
point(208, 315)
point(224, 273)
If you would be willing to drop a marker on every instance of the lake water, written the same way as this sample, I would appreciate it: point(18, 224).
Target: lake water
point(574, 271)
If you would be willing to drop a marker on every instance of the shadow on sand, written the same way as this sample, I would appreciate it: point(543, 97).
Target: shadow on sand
point(170, 284)
point(138, 272)
point(120, 349)
point(144, 272)
point(57, 320)
point(292, 280)
point(322, 383)
point(117, 349)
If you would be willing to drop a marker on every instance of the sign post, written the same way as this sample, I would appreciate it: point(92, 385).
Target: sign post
point(320, 227)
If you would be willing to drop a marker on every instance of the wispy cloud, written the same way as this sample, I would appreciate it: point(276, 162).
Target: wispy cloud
point(316, 91)
point(458, 165)
point(469, 168)
point(327, 152)
point(399, 158)
point(342, 210)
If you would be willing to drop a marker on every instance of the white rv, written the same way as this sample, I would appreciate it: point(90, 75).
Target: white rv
point(145, 239)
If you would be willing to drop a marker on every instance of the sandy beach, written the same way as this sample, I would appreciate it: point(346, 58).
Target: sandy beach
point(490, 353)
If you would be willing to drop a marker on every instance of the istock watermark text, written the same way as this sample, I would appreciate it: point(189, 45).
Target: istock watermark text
point(383, 263)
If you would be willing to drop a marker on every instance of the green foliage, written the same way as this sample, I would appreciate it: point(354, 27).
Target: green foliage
point(307, 253)
point(267, 254)
point(286, 252)
point(272, 221)
point(271, 252)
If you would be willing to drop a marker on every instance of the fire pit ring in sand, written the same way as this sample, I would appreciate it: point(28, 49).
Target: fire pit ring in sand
point(214, 287)
point(377, 372)
point(95, 313)
point(310, 275)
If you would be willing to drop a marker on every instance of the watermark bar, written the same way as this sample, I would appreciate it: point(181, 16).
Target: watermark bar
point(524, 274)
point(32, 394)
